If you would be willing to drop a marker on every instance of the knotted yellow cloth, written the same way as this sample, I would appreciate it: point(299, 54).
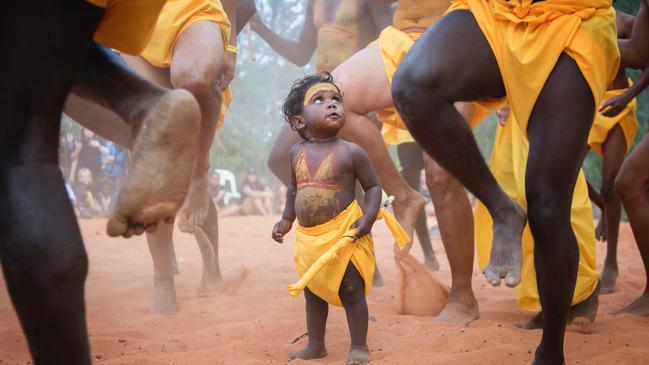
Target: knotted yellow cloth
point(507, 163)
point(323, 252)
point(527, 39)
point(602, 125)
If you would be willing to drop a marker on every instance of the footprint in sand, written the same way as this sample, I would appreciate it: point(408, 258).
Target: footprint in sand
point(419, 293)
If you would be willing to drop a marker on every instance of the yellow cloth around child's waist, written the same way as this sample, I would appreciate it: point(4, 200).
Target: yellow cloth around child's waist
point(323, 252)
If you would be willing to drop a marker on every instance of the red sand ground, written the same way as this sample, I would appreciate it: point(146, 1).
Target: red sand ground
point(258, 324)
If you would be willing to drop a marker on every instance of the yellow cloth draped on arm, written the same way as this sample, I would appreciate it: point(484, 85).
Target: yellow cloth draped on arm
point(507, 163)
point(527, 39)
point(323, 252)
point(603, 125)
point(127, 25)
point(175, 18)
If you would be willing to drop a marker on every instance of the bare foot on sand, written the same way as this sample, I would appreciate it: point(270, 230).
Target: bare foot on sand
point(580, 319)
point(639, 307)
point(505, 260)
point(419, 293)
point(608, 280)
point(162, 162)
point(194, 211)
point(407, 208)
point(211, 277)
point(164, 297)
point(461, 309)
point(308, 353)
point(359, 355)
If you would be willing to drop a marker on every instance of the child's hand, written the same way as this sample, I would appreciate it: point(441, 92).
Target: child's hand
point(363, 226)
point(281, 228)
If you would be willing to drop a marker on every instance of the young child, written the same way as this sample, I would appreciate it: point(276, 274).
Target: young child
point(333, 252)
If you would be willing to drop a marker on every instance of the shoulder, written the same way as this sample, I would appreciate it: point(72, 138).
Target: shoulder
point(351, 148)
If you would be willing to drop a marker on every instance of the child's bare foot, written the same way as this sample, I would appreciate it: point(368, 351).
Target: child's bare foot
point(461, 309)
point(308, 353)
point(164, 297)
point(639, 307)
point(407, 208)
point(359, 355)
point(194, 211)
point(608, 279)
point(162, 161)
point(506, 259)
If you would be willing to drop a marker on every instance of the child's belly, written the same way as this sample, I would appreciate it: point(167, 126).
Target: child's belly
point(314, 206)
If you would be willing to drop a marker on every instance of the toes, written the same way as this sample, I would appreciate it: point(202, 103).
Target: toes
point(116, 226)
point(492, 275)
point(513, 277)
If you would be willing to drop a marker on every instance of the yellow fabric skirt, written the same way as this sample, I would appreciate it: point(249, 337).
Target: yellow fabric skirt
point(323, 252)
point(528, 38)
point(603, 125)
point(508, 161)
point(127, 25)
point(176, 16)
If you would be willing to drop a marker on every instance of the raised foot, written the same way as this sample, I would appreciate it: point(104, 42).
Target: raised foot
point(308, 353)
point(164, 297)
point(359, 355)
point(506, 259)
point(639, 307)
point(194, 211)
point(407, 208)
point(608, 280)
point(162, 161)
point(460, 311)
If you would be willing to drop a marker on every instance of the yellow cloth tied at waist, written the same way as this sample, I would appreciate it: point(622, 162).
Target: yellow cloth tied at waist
point(527, 39)
point(323, 252)
point(127, 25)
point(602, 125)
point(394, 44)
point(507, 163)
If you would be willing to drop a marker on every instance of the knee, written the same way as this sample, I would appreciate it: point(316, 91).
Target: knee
point(417, 84)
point(200, 83)
point(438, 181)
point(548, 215)
point(351, 292)
point(627, 185)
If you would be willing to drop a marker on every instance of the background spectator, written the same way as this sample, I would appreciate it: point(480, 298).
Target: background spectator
point(255, 197)
point(87, 206)
point(218, 191)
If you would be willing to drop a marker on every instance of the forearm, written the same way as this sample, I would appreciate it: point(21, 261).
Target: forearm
point(373, 196)
point(291, 50)
point(289, 207)
point(641, 83)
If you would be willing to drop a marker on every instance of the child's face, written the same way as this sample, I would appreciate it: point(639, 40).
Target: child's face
point(85, 178)
point(322, 116)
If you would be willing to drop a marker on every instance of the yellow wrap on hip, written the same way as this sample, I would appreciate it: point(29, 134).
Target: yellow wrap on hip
point(602, 125)
point(127, 25)
point(175, 18)
point(527, 39)
point(507, 163)
point(323, 252)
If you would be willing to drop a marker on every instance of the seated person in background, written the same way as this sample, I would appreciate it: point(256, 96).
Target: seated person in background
point(217, 192)
point(105, 197)
point(255, 197)
point(86, 206)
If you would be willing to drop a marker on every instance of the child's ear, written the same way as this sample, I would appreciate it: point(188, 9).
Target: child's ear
point(297, 122)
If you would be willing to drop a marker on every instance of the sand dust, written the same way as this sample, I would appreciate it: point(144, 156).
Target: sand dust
point(256, 322)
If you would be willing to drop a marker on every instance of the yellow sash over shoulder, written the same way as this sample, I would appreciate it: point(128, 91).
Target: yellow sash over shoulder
point(528, 38)
point(602, 125)
point(127, 25)
point(323, 252)
point(507, 163)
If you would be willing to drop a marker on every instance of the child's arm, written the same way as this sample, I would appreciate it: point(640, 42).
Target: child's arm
point(284, 225)
point(365, 174)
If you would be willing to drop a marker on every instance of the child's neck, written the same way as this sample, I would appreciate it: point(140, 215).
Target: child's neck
point(323, 139)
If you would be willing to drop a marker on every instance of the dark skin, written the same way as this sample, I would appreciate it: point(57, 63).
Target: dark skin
point(44, 268)
point(613, 152)
point(635, 49)
point(429, 82)
point(320, 122)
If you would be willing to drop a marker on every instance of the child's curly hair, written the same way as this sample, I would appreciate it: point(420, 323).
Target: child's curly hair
point(294, 102)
